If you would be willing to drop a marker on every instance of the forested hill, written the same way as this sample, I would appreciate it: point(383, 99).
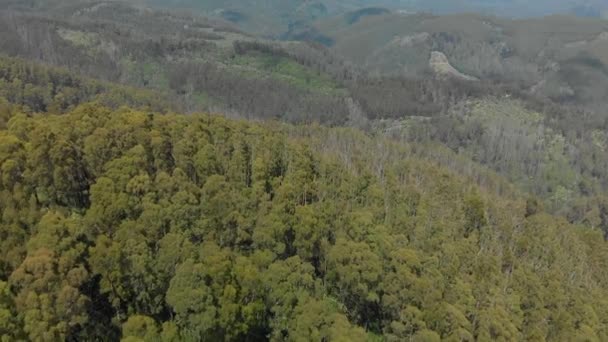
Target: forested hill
point(208, 65)
point(547, 138)
point(199, 62)
point(38, 88)
point(273, 17)
point(123, 224)
point(329, 199)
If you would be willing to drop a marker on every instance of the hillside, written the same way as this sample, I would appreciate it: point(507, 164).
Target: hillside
point(191, 63)
point(511, 8)
point(336, 171)
point(563, 58)
point(201, 62)
point(270, 18)
point(266, 18)
point(440, 65)
point(275, 17)
point(229, 230)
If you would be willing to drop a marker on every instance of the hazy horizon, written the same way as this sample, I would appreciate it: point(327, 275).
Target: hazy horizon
point(506, 8)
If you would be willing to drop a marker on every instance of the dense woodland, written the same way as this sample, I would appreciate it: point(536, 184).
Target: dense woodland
point(323, 201)
point(203, 65)
point(37, 88)
point(199, 63)
point(142, 226)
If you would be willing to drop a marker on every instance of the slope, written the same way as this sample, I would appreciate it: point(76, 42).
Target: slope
point(173, 227)
point(560, 57)
point(274, 17)
point(177, 61)
point(204, 63)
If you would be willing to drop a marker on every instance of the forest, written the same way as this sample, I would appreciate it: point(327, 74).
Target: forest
point(170, 175)
point(129, 224)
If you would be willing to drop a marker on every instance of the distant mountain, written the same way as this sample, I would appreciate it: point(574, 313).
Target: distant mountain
point(508, 8)
point(274, 17)
point(562, 57)
point(267, 18)
point(503, 8)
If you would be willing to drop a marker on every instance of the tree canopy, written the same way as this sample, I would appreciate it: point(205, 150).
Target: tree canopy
point(134, 225)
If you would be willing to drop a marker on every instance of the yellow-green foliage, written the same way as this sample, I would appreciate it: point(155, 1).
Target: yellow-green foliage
point(286, 70)
point(79, 38)
point(525, 147)
point(38, 88)
point(142, 226)
point(491, 110)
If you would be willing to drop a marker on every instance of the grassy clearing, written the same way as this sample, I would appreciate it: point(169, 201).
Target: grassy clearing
point(284, 69)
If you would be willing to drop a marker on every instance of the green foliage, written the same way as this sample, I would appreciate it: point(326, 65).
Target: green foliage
point(474, 212)
point(176, 61)
point(47, 89)
point(140, 328)
point(120, 223)
point(48, 281)
point(9, 323)
point(530, 149)
point(148, 227)
point(287, 70)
